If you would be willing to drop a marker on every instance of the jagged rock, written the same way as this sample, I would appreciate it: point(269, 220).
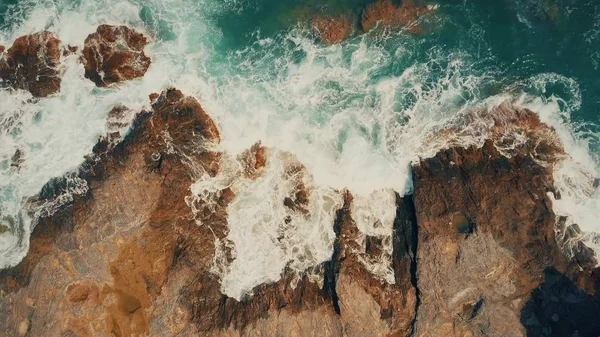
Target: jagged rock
point(471, 253)
point(254, 160)
point(70, 50)
point(384, 12)
point(17, 159)
point(33, 64)
point(332, 30)
point(500, 263)
point(114, 54)
point(122, 242)
point(368, 305)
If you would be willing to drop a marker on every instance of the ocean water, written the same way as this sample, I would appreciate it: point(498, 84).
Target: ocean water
point(355, 115)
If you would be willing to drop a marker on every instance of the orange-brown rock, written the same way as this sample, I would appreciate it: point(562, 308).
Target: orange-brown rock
point(114, 54)
point(33, 64)
point(387, 14)
point(70, 50)
point(487, 241)
point(332, 29)
point(254, 160)
point(108, 256)
point(513, 131)
point(368, 305)
point(474, 251)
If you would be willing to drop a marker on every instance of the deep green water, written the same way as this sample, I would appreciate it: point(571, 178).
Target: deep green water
point(517, 39)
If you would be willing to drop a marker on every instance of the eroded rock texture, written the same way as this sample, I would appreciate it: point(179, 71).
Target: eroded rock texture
point(333, 29)
point(386, 13)
point(474, 250)
point(33, 64)
point(486, 241)
point(114, 54)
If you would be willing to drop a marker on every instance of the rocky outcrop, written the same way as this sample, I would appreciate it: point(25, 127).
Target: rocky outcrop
point(473, 252)
point(487, 234)
point(385, 13)
point(331, 29)
point(33, 64)
point(114, 54)
point(106, 258)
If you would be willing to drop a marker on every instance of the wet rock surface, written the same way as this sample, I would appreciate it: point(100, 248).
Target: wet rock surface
point(333, 29)
point(114, 54)
point(478, 281)
point(389, 15)
point(32, 63)
point(474, 250)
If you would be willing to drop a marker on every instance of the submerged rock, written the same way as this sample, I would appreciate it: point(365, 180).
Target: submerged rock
point(17, 159)
point(332, 30)
point(33, 64)
point(114, 54)
point(387, 14)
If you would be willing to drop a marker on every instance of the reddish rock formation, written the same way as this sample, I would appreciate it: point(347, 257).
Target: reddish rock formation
point(473, 255)
point(486, 239)
point(332, 30)
point(114, 54)
point(254, 160)
point(33, 64)
point(389, 15)
point(70, 50)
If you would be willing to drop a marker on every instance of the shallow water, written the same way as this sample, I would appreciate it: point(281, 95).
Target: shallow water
point(355, 114)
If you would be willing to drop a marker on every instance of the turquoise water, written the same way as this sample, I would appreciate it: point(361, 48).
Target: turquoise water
point(355, 114)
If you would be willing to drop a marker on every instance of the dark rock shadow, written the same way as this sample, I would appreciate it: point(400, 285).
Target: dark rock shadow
point(559, 308)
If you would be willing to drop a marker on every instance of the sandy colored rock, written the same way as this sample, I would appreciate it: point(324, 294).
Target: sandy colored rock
point(114, 54)
point(387, 14)
point(33, 64)
point(23, 327)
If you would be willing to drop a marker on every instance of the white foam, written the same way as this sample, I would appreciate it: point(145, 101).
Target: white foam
point(575, 175)
point(265, 235)
point(374, 216)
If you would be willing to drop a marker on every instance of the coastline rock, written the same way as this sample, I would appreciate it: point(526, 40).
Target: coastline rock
point(474, 250)
point(332, 30)
point(387, 14)
point(477, 282)
point(114, 54)
point(33, 64)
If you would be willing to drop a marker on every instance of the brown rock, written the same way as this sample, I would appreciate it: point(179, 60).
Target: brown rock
point(332, 30)
point(254, 160)
point(70, 50)
point(153, 96)
point(478, 284)
point(384, 12)
point(114, 54)
point(33, 64)
point(368, 305)
point(131, 257)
